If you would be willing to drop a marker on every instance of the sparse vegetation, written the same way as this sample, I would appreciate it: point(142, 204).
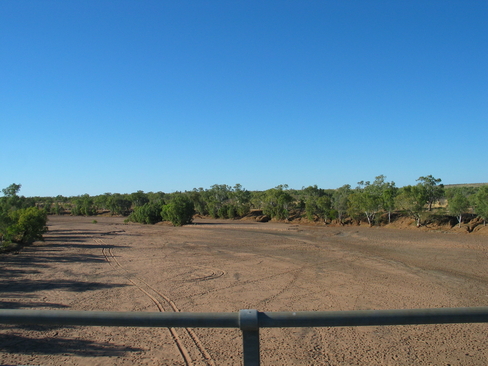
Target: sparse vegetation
point(372, 203)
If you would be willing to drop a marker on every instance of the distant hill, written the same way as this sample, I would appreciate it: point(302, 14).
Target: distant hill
point(465, 185)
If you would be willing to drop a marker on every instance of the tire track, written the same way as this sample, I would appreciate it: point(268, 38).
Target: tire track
point(153, 294)
point(295, 272)
point(287, 287)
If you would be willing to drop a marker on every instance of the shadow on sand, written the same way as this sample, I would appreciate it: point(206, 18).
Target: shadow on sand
point(13, 343)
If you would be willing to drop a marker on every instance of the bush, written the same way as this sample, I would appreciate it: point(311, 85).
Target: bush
point(149, 213)
point(179, 211)
point(26, 226)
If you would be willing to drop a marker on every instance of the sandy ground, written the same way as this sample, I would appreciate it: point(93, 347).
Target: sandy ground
point(223, 265)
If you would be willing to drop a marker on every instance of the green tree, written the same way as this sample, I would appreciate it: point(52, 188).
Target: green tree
point(355, 205)
point(309, 199)
point(458, 205)
point(433, 190)
point(11, 200)
point(11, 190)
point(118, 204)
point(197, 196)
point(240, 199)
point(179, 210)
point(412, 200)
point(324, 207)
point(216, 197)
point(480, 200)
point(370, 197)
point(25, 225)
point(389, 193)
point(276, 202)
point(138, 198)
point(83, 205)
point(149, 213)
point(311, 208)
point(340, 201)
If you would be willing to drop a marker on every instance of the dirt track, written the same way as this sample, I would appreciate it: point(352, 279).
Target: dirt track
point(231, 265)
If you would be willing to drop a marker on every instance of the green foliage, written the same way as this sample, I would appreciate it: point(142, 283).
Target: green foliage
point(138, 198)
point(83, 206)
point(19, 224)
point(25, 225)
point(197, 196)
point(389, 193)
point(371, 198)
point(355, 205)
point(11, 190)
point(340, 201)
point(221, 201)
point(412, 199)
point(118, 204)
point(458, 205)
point(480, 201)
point(311, 208)
point(276, 202)
point(149, 213)
point(433, 190)
point(57, 209)
point(179, 211)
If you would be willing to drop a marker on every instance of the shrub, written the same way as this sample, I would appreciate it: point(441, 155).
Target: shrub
point(149, 213)
point(179, 211)
point(26, 225)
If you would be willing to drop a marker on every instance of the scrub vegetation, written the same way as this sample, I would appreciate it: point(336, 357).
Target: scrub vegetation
point(375, 203)
point(21, 221)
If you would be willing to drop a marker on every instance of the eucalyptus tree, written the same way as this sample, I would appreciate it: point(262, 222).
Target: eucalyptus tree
point(340, 200)
point(240, 201)
point(197, 196)
point(458, 204)
point(138, 198)
point(433, 190)
point(480, 200)
point(118, 204)
point(389, 193)
point(309, 197)
point(412, 199)
point(324, 207)
point(83, 205)
point(370, 197)
point(277, 201)
point(216, 197)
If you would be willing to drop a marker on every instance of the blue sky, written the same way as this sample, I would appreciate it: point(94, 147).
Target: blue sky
point(120, 96)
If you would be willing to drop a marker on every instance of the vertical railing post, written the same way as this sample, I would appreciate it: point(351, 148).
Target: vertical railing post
point(249, 325)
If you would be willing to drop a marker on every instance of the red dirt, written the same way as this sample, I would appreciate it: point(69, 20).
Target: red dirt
point(223, 265)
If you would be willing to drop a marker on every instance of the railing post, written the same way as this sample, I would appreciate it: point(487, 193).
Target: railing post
point(249, 325)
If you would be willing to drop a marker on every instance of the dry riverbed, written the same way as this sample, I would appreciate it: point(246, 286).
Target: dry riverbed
point(224, 265)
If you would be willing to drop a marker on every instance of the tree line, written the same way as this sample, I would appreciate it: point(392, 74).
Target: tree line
point(372, 202)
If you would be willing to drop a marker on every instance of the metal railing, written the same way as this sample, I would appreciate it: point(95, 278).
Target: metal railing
point(248, 321)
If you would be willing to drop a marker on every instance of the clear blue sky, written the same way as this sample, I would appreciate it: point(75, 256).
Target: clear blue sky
point(120, 96)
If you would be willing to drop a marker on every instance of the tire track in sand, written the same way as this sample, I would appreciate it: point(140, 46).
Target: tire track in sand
point(153, 294)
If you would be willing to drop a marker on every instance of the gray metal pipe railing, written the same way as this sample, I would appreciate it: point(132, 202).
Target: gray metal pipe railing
point(248, 321)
